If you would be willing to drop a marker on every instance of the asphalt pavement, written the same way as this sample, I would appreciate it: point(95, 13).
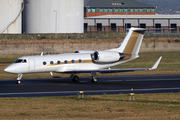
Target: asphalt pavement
point(105, 85)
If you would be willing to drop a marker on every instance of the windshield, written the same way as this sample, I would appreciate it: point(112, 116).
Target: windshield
point(20, 61)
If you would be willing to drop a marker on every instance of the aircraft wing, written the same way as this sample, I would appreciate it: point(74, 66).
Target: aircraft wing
point(115, 70)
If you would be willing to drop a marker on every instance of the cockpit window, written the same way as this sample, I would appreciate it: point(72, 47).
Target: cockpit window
point(24, 61)
point(20, 61)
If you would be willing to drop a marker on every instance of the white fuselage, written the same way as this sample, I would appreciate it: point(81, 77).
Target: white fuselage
point(59, 63)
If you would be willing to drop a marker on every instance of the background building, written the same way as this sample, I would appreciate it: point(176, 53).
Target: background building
point(117, 7)
point(117, 15)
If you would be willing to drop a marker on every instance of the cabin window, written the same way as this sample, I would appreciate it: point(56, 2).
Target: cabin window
point(44, 63)
point(72, 61)
point(80, 61)
point(116, 10)
point(51, 62)
point(58, 62)
point(65, 61)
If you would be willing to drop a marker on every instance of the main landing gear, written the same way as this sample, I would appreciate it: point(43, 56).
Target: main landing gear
point(94, 78)
point(75, 78)
point(18, 81)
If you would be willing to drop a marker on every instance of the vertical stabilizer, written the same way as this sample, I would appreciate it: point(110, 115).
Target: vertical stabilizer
point(132, 42)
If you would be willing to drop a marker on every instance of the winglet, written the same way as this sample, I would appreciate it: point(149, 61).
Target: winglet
point(156, 64)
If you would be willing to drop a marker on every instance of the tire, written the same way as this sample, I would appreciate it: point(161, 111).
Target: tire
point(94, 80)
point(75, 79)
point(18, 82)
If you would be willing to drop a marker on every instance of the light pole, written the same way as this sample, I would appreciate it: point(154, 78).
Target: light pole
point(87, 16)
point(55, 23)
point(126, 21)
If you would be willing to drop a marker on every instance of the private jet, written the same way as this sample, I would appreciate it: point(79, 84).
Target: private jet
point(84, 61)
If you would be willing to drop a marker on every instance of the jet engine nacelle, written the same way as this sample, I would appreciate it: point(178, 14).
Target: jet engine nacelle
point(107, 56)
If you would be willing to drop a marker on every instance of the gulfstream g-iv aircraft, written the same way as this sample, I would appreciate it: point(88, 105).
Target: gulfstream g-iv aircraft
point(84, 61)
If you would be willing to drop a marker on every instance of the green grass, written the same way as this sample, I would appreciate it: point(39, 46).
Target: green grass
point(146, 106)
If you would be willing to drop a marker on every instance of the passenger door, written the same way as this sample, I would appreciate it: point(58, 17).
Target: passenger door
point(31, 65)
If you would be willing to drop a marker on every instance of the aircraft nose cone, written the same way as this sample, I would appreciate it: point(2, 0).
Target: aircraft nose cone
point(10, 69)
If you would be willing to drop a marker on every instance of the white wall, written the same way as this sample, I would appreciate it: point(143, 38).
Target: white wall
point(9, 10)
point(41, 18)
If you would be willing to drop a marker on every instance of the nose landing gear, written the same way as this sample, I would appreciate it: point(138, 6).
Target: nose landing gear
point(18, 81)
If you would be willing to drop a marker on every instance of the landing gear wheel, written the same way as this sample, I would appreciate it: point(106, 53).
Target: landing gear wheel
point(19, 78)
point(75, 79)
point(18, 82)
point(94, 80)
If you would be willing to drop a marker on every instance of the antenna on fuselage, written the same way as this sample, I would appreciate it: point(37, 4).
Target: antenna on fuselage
point(42, 54)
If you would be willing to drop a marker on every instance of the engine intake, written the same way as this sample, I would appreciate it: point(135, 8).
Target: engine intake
point(107, 56)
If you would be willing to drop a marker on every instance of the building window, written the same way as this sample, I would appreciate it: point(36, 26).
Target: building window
point(116, 10)
point(93, 10)
point(101, 10)
point(131, 10)
point(152, 10)
point(140, 10)
point(121, 10)
point(142, 25)
point(148, 10)
point(110, 10)
point(105, 10)
point(125, 10)
point(136, 10)
point(89, 10)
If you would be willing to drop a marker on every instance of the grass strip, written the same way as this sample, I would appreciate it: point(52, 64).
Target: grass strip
point(146, 106)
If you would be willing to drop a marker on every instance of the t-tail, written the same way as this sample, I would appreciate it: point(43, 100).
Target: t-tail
point(132, 42)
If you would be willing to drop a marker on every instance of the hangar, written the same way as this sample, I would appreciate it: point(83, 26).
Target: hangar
point(117, 15)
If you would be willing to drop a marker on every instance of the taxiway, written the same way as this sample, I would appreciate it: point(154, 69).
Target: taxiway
point(105, 85)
